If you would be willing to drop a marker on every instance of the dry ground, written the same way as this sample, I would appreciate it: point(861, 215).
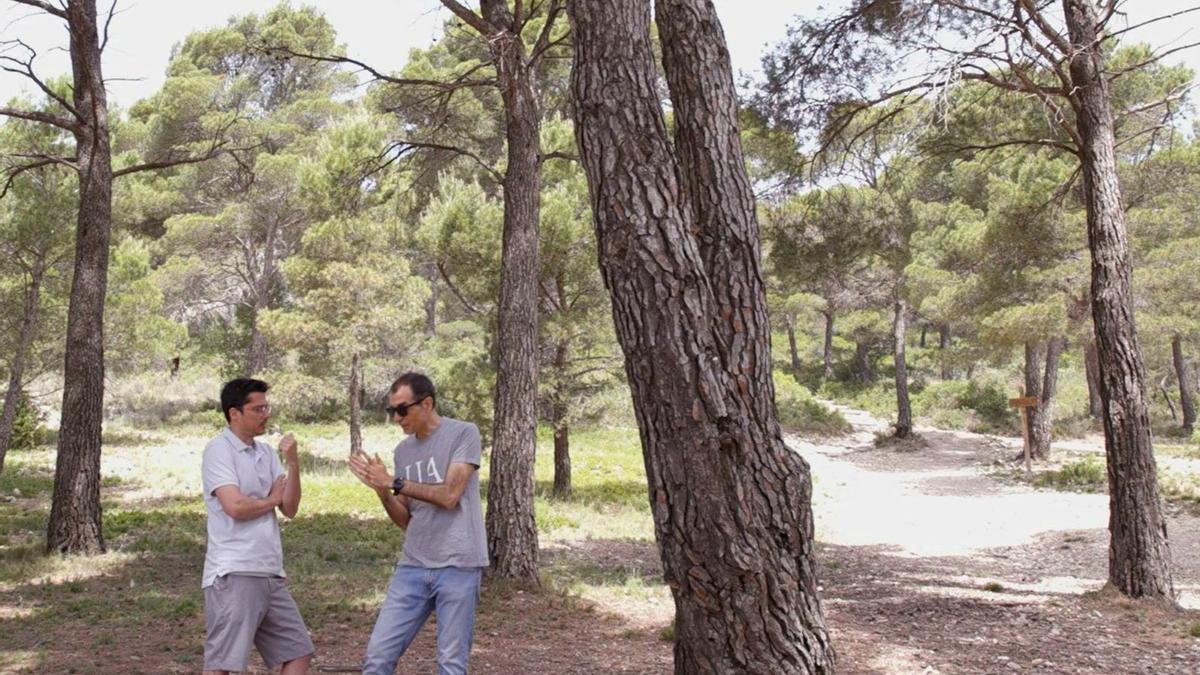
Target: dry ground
point(929, 563)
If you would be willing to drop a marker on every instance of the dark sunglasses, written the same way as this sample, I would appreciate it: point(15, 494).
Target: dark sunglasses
point(402, 409)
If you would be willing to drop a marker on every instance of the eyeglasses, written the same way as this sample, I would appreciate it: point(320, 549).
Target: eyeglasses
point(264, 409)
point(402, 409)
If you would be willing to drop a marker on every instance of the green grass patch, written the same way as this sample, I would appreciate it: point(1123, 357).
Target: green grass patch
point(1086, 473)
point(800, 413)
point(1195, 630)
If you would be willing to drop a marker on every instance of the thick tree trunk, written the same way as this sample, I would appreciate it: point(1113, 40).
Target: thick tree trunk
point(1091, 364)
point(1045, 407)
point(903, 405)
point(792, 351)
point(1139, 555)
point(1185, 386)
point(862, 363)
point(16, 368)
point(355, 409)
point(731, 503)
point(827, 349)
point(512, 533)
point(75, 515)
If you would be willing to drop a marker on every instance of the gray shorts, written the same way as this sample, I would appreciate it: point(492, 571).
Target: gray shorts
point(243, 610)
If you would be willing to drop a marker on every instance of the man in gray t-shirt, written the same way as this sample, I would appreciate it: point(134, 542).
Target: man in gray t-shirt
point(434, 496)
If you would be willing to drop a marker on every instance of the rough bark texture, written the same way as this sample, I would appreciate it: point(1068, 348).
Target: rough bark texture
point(731, 503)
point(903, 405)
point(75, 511)
point(16, 367)
point(827, 349)
point(512, 534)
point(1185, 385)
point(1091, 361)
point(1139, 556)
point(355, 408)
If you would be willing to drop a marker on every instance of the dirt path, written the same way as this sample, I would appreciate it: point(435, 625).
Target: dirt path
point(931, 565)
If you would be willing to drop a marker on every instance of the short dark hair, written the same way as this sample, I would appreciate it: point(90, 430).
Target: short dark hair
point(420, 385)
point(235, 393)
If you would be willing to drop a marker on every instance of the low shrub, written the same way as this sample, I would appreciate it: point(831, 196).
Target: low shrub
point(800, 413)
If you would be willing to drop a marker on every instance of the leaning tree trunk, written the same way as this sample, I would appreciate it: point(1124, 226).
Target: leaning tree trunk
point(1185, 386)
point(731, 503)
point(1139, 559)
point(903, 405)
point(75, 510)
point(1091, 365)
point(827, 349)
point(1033, 387)
point(511, 531)
point(355, 407)
point(16, 368)
point(1045, 406)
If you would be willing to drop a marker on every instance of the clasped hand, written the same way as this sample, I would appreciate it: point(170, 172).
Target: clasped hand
point(370, 470)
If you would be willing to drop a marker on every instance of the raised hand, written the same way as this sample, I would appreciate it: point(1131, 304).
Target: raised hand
point(371, 471)
point(287, 446)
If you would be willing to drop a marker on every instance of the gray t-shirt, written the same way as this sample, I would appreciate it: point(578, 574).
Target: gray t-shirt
point(240, 546)
point(438, 537)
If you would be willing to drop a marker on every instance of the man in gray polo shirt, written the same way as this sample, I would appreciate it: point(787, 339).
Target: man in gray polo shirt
point(434, 496)
point(246, 600)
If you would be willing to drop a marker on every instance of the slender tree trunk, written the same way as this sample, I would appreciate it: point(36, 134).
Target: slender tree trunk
point(75, 513)
point(562, 456)
point(1139, 561)
point(512, 533)
point(862, 363)
point(562, 431)
point(1091, 364)
point(1162, 388)
point(1185, 389)
point(16, 368)
point(792, 351)
point(736, 541)
point(827, 349)
point(1045, 407)
point(903, 405)
point(432, 302)
point(1033, 387)
point(943, 345)
point(355, 408)
point(924, 330)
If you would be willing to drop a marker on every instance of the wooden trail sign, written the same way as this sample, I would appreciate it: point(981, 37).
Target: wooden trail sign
point(1024, 403)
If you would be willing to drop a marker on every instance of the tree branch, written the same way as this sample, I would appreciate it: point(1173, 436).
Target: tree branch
point(454, 289)
point(26, 71)
point(471, 18)
point(45, 7)
point(458, 82)
point(38, 116)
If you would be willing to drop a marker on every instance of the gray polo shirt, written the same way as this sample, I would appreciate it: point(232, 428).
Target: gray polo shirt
point(240, 546)
point(438, 537)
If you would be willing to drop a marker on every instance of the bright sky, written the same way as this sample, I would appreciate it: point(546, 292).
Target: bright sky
point(381, 32)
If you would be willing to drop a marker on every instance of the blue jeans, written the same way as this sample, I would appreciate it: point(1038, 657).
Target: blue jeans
point(415, 592)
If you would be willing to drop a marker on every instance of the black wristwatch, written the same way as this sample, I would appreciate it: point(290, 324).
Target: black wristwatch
point(397, 486)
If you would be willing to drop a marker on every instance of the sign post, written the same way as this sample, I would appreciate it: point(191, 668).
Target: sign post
point(1024, 403)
